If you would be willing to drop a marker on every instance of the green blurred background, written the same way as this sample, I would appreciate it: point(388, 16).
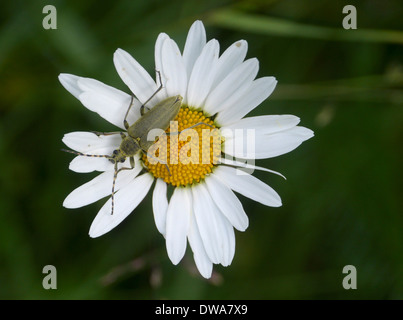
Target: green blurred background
point(342, 200)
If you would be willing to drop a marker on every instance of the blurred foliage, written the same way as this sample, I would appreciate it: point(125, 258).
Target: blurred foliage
point(342, 200)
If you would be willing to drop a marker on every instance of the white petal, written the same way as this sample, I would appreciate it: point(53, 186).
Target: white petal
point(276, 144)
point(230, 59)
point(98, 188)
point(126, 200)
point(259, 90)
point(135, 77)
point(174, 72)
point(269, 145)
point(90, 192)
point(90, 143)
point(237, 82)
point(216, 231)
point(69, 82)
point(158, 63)
point(239, 143)
point(203, 262)
point(264, 124)
point(221, 100)
point(248, 185)
point(195, 42)
point(177, 225)
point(87, 164)
point(227, 202)
point(160, 205)
point(110, 103)
point(247, 165)
point(158, 50)
point(203, 74)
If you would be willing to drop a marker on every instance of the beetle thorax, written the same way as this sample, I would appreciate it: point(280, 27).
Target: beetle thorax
point(129, 147)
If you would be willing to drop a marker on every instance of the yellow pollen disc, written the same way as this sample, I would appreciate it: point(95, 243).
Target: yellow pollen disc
point(189, 154)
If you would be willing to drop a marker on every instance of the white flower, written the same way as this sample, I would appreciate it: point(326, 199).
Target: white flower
point(205, 210)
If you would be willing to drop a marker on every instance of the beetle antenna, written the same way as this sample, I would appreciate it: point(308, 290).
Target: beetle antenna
point(169, 171)
point(113, 186)
point(86, 155)
point(156, 91)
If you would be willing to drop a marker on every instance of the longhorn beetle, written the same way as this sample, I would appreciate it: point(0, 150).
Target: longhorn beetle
point(136, 139)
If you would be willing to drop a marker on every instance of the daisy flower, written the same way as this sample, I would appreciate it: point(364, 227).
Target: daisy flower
point(218, 91)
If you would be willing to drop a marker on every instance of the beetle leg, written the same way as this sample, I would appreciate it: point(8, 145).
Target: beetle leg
point(153, 95)
point(142, 109)
point(125, 123)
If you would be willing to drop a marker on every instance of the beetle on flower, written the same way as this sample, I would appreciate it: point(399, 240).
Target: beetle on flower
point(218, 91)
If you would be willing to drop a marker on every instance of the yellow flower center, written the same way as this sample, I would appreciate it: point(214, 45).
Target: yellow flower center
point(188, 154)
